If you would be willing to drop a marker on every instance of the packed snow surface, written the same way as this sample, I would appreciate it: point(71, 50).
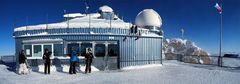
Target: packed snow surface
point(64, 68)
point(141, 66)
point(171, 72)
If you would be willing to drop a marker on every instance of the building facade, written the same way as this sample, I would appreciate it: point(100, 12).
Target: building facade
point(115, 43)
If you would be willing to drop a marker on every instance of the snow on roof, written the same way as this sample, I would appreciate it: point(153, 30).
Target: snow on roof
point(80, 22)
point(73, 15)
point(42, 40)
point(148, 17)
point(150, 35)
point(106, 8)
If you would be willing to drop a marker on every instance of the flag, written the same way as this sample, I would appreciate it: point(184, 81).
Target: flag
point(219, 9)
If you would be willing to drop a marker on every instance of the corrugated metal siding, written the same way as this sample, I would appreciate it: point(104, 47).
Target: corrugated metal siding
point(145, 50)
point(141, 51)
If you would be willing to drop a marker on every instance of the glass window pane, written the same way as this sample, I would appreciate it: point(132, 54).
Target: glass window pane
point(28, 50)
point(113, 50)
point(58, 49)
point(37, 52)
point(99, 50)
point(83, 48)
point(74, 46)
point(49, 47)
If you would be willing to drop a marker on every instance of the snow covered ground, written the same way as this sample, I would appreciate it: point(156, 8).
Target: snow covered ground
point(171, 72)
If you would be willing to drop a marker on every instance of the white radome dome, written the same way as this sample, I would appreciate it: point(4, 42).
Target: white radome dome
point(148, 17)
point(105, 8)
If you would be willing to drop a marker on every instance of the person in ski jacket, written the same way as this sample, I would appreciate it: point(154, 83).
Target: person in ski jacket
point(73, 61)
point(22, 62)
point(88, 60)
point(46, 58)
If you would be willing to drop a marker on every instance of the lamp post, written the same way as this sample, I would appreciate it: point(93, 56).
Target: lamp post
point(182, 32)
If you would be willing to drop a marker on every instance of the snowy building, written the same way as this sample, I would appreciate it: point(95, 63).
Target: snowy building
point(115, 43)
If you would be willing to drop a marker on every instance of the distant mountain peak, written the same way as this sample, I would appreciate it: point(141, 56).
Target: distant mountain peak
point(187, 49)
point(182, 46)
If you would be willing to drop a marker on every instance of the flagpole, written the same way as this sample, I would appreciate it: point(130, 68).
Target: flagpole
point(219, 8)
point(220, 51)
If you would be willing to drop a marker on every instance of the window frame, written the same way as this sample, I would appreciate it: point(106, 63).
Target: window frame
point(33, 49)
point(51, 50)
point(62, 49)
point(81, 48)
point(25, 50)
point(116, 51)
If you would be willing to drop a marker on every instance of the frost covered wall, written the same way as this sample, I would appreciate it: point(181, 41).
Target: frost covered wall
point(145, 50)
point(141, 51)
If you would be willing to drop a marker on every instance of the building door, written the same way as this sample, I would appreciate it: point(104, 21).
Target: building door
point(100, 53)
point(112, 56)
point(106, 56)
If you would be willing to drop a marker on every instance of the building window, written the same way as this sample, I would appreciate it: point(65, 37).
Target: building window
point(49, 47)
point(74, 46)
point(113, 50)
point(83, 48)
point(37, 51)
point(58, 49)
point(28, 50)
point(99, 50)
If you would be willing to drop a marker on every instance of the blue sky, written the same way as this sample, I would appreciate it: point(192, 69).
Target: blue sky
point(199, 18)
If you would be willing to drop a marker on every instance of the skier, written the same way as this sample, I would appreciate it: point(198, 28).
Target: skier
point(46, 58)
point(73, 62)
point(22, 61)
point(88, 60)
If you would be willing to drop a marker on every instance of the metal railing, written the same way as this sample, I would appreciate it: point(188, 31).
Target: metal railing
point(0, 59)
point(205, 59)
point(7, 59)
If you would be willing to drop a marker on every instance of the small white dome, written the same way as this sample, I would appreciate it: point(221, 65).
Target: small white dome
point(148, 17)
point(105, 8)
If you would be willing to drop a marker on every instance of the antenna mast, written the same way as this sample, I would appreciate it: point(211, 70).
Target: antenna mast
point(47, 23)
point(26, 25)
point(86, 10)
